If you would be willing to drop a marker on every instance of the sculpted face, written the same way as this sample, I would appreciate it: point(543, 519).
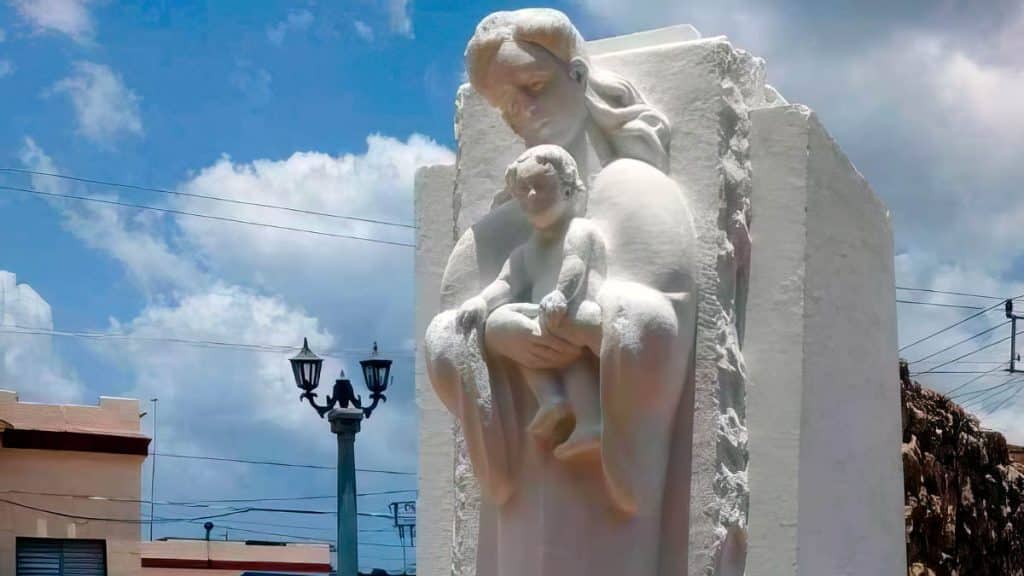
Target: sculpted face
point(539, 192)
point(540, 97)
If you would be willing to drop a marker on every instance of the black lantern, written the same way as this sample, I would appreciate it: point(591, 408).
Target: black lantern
point(376, 371)
point(377, 374)
point(306, 367)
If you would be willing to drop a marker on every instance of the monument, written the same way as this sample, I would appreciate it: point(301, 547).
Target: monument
point(658, 321)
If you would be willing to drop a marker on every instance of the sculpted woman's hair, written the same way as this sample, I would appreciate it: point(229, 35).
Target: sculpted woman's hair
point(634, 128)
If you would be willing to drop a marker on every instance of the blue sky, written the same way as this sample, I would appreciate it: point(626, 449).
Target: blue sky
point(331, 106)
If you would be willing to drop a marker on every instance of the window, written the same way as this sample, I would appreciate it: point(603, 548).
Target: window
point(55, 557)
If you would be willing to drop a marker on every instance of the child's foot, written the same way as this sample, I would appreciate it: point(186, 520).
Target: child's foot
point(583, 444)
point(552, 423)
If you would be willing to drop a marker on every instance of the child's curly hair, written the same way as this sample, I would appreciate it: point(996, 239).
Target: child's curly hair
point(554, 156)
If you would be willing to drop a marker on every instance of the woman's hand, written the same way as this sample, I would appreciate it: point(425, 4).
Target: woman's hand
point(513, 331)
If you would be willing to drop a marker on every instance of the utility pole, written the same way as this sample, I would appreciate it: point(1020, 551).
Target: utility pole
point(152, 473)
point(1014, 357)
point(404, 516)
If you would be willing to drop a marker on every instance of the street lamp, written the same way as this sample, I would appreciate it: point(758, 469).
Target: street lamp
point(345, 412)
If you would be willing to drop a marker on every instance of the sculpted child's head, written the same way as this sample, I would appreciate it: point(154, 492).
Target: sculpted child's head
point(545, 181)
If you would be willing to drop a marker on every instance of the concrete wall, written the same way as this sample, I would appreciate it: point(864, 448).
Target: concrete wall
point(67, 472)
point(823, 409)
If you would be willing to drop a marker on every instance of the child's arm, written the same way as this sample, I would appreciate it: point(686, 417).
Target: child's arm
point(584, 266)
point(475, 310)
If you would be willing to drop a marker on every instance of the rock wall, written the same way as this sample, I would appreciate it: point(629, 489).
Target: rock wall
point(964, 497)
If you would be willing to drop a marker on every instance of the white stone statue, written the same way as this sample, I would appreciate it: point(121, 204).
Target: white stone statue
point(597, 305)
point(561, 268)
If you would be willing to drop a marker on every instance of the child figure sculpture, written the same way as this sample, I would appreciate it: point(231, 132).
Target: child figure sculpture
point(561, 268)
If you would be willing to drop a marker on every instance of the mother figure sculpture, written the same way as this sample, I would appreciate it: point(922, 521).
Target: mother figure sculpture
point(626, 512)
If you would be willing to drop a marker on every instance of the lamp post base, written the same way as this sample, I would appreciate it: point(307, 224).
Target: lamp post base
point(345, 423)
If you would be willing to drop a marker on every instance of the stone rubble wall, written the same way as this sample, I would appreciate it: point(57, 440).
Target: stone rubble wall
point(964, 496)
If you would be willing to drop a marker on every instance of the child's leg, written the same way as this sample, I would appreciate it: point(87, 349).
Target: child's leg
point(553, 421)
point(582, 381)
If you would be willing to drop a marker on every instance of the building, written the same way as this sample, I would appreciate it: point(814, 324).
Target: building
point(181, 557)
point(70, 502)
point(54, 462)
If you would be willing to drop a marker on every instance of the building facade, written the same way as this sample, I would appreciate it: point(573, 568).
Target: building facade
point(70, 502)
point(70, 478)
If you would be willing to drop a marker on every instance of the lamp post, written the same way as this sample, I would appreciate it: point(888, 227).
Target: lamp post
point(345, 412)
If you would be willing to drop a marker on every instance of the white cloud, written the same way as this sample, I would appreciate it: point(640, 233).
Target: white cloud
point(133, 238)
point(203, 380)
point(989, 95)
point(363, 30)
point(400, 18)
point(28, 363)
point(296, 21)
point(6, 68)
point(70, 17)
point(105, 109)
point(377, 184)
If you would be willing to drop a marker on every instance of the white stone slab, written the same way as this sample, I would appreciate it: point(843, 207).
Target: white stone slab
point(647, 38)
point(824, 405)
point(435, 236)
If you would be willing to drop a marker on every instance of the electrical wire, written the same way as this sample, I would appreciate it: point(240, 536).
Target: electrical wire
point(974, 393)
point(968, 339)
point(991, 392)
point(985, 347)
point(270, 348)
point(971, 381)
point(934, 291)
point(954, 325)
point(276, 463)
point(205, 197)
point(120, 520)
point(194, 503)
point(206, 216)
point(1007, 400)
point(938, 304)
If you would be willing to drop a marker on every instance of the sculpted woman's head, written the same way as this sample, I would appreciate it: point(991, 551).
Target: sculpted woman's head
point(531, 64)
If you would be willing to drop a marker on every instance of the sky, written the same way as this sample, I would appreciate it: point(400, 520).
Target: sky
point(331, 107)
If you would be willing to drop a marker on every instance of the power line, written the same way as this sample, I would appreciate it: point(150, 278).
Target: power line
point(207, 216)
point(956, 372)
point(971, 381)
point(276, 463)
point(194, 503)
point(993, 397)
point(985, 347)
point(974, 393)
point(934, 291)
point(207, 197)
point(1007, 400)
point(121, 520)
point(950, 327)
point(288, 498)
point(968, 339)
point(989, 392)
point(938, 304)
point(200, 343)
point(988, 362)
